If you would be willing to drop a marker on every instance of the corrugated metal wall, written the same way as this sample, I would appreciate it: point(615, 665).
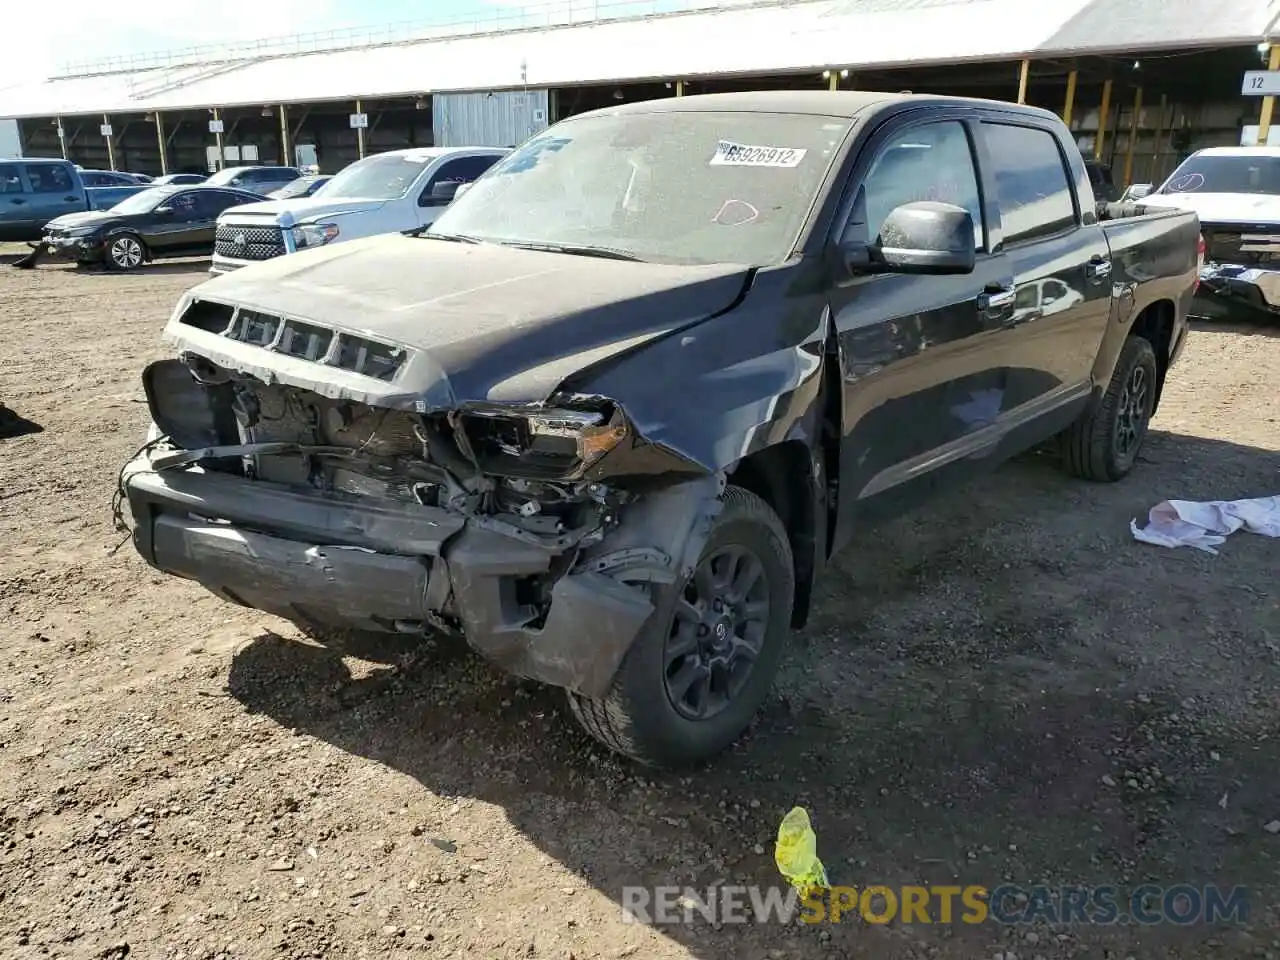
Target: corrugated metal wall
point(488, 119)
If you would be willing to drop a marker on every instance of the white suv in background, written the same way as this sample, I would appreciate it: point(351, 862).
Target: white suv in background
point(385, 193)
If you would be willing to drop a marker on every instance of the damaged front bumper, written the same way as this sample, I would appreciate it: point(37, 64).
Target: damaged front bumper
point(1234, 291)
point(329, 561)
point(78, 249)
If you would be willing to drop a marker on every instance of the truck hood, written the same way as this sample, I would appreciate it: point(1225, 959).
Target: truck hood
point(476, 322)
point(300, 210)
point(1211, 208)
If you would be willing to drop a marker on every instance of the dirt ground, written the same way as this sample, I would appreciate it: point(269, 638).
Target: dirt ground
point(1004, 687)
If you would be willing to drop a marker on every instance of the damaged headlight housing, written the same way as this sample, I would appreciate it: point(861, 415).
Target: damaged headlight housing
point(547, 443)
point(314, 234)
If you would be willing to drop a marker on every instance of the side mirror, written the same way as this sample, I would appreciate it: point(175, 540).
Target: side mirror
point(925, 237)
point(164, 211)
point(1138, 191)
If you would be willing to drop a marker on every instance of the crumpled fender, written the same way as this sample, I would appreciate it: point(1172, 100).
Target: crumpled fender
point(598, 610)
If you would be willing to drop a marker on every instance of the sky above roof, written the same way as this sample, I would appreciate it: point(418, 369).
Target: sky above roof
point(39, 45)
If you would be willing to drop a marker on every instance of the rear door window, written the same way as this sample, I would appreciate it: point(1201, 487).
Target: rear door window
point(213, 202)
point(49, 178)
point(1032, 183)
point(459, 170)
point(11, 178)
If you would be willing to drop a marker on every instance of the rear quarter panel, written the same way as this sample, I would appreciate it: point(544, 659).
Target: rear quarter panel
point(1154, 260)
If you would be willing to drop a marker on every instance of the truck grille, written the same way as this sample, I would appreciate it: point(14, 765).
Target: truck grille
point(248, 243)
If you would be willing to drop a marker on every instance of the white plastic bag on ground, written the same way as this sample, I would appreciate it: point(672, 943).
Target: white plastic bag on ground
point(1185, 523)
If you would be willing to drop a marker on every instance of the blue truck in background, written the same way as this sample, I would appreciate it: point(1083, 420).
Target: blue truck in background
point(34, 191)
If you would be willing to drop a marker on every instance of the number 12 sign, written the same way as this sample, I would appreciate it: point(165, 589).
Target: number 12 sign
point(1261, 83)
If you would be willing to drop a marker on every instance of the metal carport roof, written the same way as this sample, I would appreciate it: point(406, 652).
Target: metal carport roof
point(794, 36)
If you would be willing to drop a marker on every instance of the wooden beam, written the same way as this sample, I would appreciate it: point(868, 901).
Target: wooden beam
point(1135, 125)
point(160, 141)
point(1103, 113)
point(1268, 103)
point(360, 131)
point(1071, 98)
point(285, 150)
point(111, 146)
point(1024, 74)
point(221, 161)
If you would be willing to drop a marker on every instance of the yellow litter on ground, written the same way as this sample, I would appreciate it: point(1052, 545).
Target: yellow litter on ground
point(797, 854)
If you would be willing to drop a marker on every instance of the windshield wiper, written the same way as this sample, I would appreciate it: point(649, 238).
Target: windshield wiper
point(454, 237)
point(604, 253)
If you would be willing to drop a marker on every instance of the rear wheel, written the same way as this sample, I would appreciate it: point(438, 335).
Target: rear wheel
point(125, 252)
point(705, 661)
point(1104, 445)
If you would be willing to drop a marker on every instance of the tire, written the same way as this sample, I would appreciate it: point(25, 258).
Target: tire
point(125, 252)
point(1104, 445)
point(641, 716)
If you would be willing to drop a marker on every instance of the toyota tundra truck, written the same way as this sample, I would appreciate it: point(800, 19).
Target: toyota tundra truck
point(611, 415)
point(394, 192)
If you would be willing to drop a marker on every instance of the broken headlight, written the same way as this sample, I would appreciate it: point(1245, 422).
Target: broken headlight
point(541, 444)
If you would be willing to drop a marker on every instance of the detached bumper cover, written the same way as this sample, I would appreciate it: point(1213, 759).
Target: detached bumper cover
point(1227, 288)
point(317, 559)
point(72, 248)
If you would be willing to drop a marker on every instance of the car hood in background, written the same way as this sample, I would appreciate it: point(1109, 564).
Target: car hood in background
point(83, 220)
point(1233, 208)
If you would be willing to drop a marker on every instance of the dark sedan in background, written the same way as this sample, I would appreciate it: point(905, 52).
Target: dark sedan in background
point(261, 180)
point(172, 221)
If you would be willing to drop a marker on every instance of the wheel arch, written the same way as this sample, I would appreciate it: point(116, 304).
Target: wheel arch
point(1155, 324)
point(783, 476)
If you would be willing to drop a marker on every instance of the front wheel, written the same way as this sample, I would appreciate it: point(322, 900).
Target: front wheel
point(1104, 445)
point(125, 252)
point(705, 660)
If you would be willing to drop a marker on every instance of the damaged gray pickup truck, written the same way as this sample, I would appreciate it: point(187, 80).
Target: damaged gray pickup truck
point(611, 414)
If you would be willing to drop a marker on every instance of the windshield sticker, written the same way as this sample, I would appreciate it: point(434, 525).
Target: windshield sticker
point(729, 154)
point(1187, 183)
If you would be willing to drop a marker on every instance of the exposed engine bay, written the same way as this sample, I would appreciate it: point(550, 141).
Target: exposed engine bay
point(490, 521)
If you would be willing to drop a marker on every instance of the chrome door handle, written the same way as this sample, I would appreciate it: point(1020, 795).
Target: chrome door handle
point(1097, 268)
point(996, 299)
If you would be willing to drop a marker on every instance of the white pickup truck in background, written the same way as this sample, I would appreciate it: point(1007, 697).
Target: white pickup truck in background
point(385, 193)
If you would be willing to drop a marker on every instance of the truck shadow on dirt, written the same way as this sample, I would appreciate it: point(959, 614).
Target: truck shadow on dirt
point(995, 693)
point(13, 424)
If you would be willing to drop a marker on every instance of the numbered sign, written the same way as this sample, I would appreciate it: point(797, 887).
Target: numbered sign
point(105, 129)
point(1261, 83)
point(216, 126)
point(359, 121)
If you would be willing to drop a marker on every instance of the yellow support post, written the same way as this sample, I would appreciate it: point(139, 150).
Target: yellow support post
point(164, 151)
point(62, 137)
point(1135, 125)
point(1103, 113)
point(1268, 103)
point(360, 131)
point(285, 147)
point(833, 80)
point(679, 88)
point(111, 144)
point(1023, 75)
point(222, 154)
point(1071, 98)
